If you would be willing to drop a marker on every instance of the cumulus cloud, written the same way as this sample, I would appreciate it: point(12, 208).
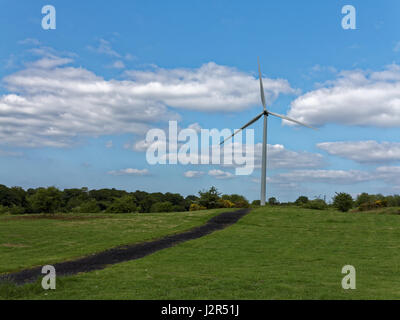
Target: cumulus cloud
point(129, 171)
point(385, 174)
point(389, 174)
point(193, 174)
point(53, 104)
point(29, 41)
point(117, 65)
point(279, 157)
point(220, 174)
point(324, 176)
point(5, 153)
point(209, 88)
point(358, 97)
point(364, 151)
point(104, 47)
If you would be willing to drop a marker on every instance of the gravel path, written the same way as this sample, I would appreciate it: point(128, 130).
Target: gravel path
point(101, 260)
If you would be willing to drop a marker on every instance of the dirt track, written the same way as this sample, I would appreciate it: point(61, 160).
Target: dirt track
point(129, 252)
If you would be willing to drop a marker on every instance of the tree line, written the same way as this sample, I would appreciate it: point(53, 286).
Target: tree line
point(344, 202)
point(16, 200)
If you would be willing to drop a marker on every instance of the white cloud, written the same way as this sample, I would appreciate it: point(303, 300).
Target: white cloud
point(109, 144)
point(397, 47)
point(193, 174)
point(49, 63)
point(279, 157)
point(387, 174)
point(4, 153)
point(364, 151)
point(29, 41)
point(209, 88)
point(363, 98)
point(104, 47)
point(118, 64)
point(51, 104)
point(220, 174)
point(296, 179)
point(325, 176)
point(195, 126)
point(129, 171)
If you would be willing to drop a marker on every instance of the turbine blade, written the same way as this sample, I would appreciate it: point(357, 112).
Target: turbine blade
point(261, 85)
point(290, 119)
point(244, 127)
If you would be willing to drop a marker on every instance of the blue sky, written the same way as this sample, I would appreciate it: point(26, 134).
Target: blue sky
point(71, 114)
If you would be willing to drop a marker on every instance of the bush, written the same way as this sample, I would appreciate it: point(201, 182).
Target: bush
point(3, 209)
point(237, 200)
point(210, 198)
point(45, 200)
point(272, 201)
point(125, 204)
point(317, 204)
point(301, 200)
point(225, 204)
point(195, 207)
point(164, 206)
point(343, 201)
point(256, 203)
point(373, 205)
point(16, 210)
point(90, 206)
point(178, 208)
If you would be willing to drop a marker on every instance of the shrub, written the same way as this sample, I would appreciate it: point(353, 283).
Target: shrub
point(125, 204)
point(46, 200)
point(178, 208)
point(317, 204)
point(301, 200)
point(237, 200)
point(225, 204)
point(3, 209)
point(164, 206)
point(272, 201)
point(373, 205)
point(256, 203)
point(209, 199)
point(367, 206)
point(89, 206)
point(343, 201)
point(16, 210)
point(195, 207)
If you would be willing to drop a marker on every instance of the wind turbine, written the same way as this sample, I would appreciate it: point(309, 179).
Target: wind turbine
point(265, 113)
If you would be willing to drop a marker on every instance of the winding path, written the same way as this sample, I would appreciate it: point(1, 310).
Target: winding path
point(119, 254)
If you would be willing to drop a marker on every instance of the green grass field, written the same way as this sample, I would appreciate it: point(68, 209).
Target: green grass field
point(272, 253)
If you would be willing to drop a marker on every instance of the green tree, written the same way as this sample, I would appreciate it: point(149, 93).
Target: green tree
point(164, 206)
point(316, 204)
point(301, 200)
point(46, 200)
point(343, 201)
point(125, 204)
point(272, 201)
point(89, 206)
point(209, 199)
point(364, 198)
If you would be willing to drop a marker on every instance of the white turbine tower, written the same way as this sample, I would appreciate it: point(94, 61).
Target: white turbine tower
point(265, 113)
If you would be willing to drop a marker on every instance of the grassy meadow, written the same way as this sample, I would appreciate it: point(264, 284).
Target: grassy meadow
point(272, 253)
